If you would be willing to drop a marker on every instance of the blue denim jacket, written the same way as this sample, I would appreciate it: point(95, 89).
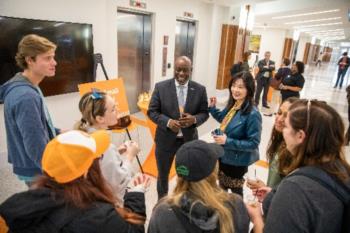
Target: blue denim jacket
point(243, 136)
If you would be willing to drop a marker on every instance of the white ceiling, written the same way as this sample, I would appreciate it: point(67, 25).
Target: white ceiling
point(326, 26)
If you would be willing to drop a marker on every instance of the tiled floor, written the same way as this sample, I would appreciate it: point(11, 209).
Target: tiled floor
point(319, 85)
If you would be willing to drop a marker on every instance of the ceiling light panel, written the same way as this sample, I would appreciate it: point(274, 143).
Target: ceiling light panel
point(313, 20)
point(317, 25)
point(306, 14)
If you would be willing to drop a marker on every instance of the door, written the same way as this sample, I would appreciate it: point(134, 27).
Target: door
point(134, 46)
point(184, 40)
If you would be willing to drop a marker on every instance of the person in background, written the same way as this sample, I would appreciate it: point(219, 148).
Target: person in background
point(276, 151)
point(239, 132)
point(347, 138)
point(276, 81)
point(306, 200)
point(343, 65)
point(27, 120)
point(72, 195)
point(284, 70)
point(319, 59)
point(242, 65)
point(266, 67)
point(245, 65)
point(178, 106)
point(99, 112)
point(198, 204)
point(292, 84)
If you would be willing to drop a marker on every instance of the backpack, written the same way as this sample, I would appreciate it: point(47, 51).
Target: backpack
point(236, 68)
point(334, 185)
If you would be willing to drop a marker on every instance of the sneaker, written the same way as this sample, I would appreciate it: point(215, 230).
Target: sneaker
point(266, 106)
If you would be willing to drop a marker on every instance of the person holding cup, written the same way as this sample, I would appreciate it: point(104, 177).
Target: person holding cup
point(312, 197)
point(239, 131)
point(99, 112)
point(276, 152)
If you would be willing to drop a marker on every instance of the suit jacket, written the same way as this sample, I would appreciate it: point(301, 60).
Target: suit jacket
point(262, 70)
point(164, 106)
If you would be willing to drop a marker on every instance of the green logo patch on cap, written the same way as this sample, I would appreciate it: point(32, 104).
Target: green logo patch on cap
point(182, 170)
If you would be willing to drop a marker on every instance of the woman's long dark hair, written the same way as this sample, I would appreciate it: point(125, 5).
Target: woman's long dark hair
point(84, 191)
point(323, 145)
point(276, 144)
point(249, 84)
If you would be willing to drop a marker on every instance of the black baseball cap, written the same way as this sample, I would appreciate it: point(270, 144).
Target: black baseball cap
point(196, 160)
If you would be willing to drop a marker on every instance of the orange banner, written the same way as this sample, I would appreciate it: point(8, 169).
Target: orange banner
point(113, 87)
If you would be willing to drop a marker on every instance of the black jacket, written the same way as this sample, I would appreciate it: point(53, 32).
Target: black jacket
point(42, 211)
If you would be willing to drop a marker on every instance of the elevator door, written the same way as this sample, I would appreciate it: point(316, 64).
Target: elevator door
point(134, 46)
point(184, 40)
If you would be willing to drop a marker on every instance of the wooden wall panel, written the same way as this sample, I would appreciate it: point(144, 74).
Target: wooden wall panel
point(287, 48)
point(327, 54)
point(227, 57)
point(231, 51)
point(306, 52)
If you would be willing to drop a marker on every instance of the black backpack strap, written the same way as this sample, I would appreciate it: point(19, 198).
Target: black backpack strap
point(337, 187)
point(334, 185)
point(189, 227)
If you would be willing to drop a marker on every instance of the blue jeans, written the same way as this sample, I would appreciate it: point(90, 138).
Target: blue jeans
point(341, 74)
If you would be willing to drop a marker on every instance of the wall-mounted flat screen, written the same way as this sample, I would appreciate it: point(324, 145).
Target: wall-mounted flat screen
point(74, 53)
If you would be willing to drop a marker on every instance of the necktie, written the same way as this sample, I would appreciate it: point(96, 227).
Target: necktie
point(47, 114)
point(181, 98)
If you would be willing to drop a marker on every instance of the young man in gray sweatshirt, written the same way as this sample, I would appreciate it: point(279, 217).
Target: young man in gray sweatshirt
point(27, 120)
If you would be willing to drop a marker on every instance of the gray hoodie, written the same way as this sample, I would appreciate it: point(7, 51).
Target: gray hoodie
point(164, 220)
point(26, 127)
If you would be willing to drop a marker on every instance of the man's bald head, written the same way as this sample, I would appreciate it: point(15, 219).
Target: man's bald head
point(183, 69)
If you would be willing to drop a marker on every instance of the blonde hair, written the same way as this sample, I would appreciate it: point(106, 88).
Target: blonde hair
point(30, 46)
point(208, 193)
point(90, 108)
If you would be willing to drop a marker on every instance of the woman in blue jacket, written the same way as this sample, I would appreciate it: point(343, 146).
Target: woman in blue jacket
point(239, 132)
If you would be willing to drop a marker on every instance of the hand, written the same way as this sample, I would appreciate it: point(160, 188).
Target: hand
point(283, 87)
point(220, 139)
point(212, 102)
point(174, 125)
point(254, 211)
point(64, 131)
point(122, 149)
point(262, 192)
point(132, 148)
point(140, 183)
point(254, 185)
point(187, 120)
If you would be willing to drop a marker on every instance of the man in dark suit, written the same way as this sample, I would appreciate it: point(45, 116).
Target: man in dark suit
point(178, 106)
point(266, 67)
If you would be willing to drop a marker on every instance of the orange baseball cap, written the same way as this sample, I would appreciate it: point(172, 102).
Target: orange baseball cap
point(69, 155)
